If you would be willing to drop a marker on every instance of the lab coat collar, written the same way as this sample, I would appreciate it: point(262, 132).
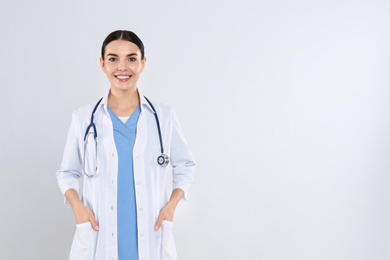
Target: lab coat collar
point(143, 102)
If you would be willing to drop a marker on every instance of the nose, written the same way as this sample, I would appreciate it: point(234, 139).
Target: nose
point(122, 66)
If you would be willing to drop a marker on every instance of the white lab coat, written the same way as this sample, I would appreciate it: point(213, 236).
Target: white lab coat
point(100, 192)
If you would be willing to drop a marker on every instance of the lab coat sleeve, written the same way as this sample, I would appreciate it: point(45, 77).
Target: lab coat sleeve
point(181, 158)
point(71, 166)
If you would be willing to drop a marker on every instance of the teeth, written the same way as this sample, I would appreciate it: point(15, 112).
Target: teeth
point(123, 77)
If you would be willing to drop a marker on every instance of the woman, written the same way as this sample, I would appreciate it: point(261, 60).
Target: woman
point(124, 212)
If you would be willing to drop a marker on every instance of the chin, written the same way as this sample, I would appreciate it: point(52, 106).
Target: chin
point(123, 87)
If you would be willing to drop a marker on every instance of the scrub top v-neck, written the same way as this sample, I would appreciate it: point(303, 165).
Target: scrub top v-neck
point(124, 137)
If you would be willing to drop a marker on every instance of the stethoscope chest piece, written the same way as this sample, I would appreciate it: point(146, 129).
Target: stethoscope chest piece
point(163, 160)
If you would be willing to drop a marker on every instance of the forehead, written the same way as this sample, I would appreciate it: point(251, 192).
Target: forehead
point(121, 47)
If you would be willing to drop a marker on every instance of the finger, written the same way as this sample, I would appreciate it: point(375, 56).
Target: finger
point(159, 222)
point(94, 223)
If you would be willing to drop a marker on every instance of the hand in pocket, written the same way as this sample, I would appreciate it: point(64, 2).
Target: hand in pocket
point(84, 214)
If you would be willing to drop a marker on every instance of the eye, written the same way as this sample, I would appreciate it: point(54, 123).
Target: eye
point(132, 59)
point(112, 59)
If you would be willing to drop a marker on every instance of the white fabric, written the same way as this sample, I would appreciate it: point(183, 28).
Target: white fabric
point(123, 118)
point(100, 192)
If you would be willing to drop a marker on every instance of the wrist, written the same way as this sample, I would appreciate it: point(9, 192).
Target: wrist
point(171, 204)
point(76, 204)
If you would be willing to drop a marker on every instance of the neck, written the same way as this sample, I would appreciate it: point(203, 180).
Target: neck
point(123, 99)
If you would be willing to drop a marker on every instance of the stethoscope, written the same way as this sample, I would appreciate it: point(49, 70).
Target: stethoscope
point(162, 160)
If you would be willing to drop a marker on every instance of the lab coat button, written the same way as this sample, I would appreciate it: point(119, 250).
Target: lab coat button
point(141, 235)
point(138, 183)
point(137, 156)
point(140, 209)
point(112, 208)
point(112, 154)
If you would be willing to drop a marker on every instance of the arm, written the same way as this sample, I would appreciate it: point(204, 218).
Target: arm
point(182, 160)
point(70, 171)
point(183, 170)
point(69, 174)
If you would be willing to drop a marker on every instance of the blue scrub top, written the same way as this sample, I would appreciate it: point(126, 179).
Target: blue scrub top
point(124, 136)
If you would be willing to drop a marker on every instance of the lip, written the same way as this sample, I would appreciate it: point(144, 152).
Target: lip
point(123, 80)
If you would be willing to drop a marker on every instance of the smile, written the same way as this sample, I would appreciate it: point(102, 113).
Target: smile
point(123, 78)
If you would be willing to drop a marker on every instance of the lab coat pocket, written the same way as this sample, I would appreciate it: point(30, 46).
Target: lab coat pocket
point(168, 249)
point(83, 245)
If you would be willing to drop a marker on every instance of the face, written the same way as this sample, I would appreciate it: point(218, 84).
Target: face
point(122, 64)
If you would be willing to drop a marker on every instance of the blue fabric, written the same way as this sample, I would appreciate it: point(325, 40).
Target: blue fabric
point(124, 136)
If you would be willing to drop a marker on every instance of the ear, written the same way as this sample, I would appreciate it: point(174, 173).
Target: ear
point(102, 63)
point(143, 64)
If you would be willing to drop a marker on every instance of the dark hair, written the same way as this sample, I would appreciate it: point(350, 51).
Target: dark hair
point(123, 35)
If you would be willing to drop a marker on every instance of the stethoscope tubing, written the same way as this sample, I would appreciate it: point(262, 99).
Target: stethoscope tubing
point(162, 160)
point(92, 124)
point(158, 124)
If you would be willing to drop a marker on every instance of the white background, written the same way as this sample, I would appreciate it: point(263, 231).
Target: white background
point(285, 106)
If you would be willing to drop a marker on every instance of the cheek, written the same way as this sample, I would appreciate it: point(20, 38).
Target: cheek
point(136, 68)
point(109, 70)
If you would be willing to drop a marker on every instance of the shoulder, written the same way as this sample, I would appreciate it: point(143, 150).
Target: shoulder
point(82, 115)
point(83, 111)
point(162, 108)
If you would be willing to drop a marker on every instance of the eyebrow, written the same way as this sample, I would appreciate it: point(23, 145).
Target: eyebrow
point(115, 55)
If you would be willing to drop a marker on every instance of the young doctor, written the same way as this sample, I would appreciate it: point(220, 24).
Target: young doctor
point(121, 146)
